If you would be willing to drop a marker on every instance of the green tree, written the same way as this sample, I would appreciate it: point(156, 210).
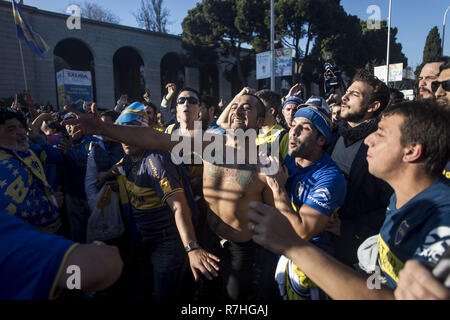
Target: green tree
point(356, 46)
point(227, 27)
point(304, 19)
point(432, 49)
point(433, 45)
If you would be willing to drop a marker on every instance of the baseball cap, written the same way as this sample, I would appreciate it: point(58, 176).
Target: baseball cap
point(69, 115)
point(318, 102)
point(134, 112)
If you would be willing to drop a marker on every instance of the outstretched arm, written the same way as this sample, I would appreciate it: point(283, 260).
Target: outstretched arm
point(273, 231)
point(144, 137)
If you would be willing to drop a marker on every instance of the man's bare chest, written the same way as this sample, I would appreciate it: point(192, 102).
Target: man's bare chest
point(230, 177)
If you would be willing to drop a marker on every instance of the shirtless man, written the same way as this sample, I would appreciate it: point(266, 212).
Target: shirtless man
point(228, 189)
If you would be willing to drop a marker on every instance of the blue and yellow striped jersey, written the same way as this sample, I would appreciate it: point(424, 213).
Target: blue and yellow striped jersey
point(150, 181)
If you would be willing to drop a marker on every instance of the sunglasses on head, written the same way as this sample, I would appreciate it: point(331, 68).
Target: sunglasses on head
point(436, 84)
point(190, 100)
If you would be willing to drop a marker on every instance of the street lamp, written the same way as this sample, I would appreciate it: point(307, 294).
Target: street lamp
point(443, 30)
point(388, 43)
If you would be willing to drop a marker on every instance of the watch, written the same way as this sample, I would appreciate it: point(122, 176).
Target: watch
point(193, 245)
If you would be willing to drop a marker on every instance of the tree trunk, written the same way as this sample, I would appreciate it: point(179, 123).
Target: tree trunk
point(238, 58)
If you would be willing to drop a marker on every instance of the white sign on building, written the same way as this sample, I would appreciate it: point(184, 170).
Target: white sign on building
point(395, 72)
point(263, 65)
point(282, 63)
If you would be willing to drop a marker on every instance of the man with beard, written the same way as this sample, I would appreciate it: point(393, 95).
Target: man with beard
point(428, 74)
point(441, 88)
point(228, 188)
point(405, 153)
point(364, 208)
point(307, 193)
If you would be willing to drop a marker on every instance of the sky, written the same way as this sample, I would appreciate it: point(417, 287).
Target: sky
point(413, 18)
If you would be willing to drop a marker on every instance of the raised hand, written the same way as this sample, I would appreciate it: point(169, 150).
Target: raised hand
point(85, 123)
point(171, 89)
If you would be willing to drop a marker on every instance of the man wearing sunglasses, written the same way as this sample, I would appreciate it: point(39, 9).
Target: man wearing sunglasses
point(188, 109)
point(441, 87)
point(227, 188)
point(428, 74)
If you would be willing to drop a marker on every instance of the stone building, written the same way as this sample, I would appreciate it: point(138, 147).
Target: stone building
point(122, 60)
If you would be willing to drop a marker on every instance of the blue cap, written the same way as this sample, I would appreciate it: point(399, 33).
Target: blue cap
point(293, 99)
point(318, 102)
point(320, 118)
point(134, 112)
point(69, 115)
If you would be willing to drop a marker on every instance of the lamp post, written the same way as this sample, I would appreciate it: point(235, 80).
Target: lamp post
point(388, 43)
point(443, 30)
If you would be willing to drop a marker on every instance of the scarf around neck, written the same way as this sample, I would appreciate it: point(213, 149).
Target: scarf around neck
point(352, 135)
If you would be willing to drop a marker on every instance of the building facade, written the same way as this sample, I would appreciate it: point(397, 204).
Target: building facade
point(121, 59)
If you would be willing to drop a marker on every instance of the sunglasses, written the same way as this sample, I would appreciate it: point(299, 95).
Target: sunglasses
point(436, 84)
point(190, 100)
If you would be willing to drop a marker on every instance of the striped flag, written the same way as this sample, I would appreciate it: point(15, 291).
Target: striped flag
point(24, 31)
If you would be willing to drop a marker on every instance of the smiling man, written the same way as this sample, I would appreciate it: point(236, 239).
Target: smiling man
point(25, 191)
point(228, 189)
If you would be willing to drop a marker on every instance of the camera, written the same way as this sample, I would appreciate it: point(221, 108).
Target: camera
point(332, 78)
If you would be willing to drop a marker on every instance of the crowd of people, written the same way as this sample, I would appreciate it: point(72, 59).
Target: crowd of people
point(360, 191)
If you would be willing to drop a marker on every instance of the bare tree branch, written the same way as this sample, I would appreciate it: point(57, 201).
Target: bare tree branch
point(152, 16)
point(94, 11)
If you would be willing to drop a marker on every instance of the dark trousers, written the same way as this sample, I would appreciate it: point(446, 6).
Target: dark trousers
point(246, 270)
point(161, 267)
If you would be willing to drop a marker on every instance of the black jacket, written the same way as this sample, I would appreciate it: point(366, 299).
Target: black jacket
point(364, 209)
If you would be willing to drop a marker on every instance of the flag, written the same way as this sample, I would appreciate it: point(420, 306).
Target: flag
point(24, 31)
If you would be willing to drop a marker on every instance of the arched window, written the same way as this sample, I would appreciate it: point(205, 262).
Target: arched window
point(209, 80)
point(172, 71)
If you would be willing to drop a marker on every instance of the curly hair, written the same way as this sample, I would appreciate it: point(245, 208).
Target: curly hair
point(380, 91)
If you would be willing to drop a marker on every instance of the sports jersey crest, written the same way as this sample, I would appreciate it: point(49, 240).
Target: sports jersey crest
point(401, 232)
point(300, 188)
